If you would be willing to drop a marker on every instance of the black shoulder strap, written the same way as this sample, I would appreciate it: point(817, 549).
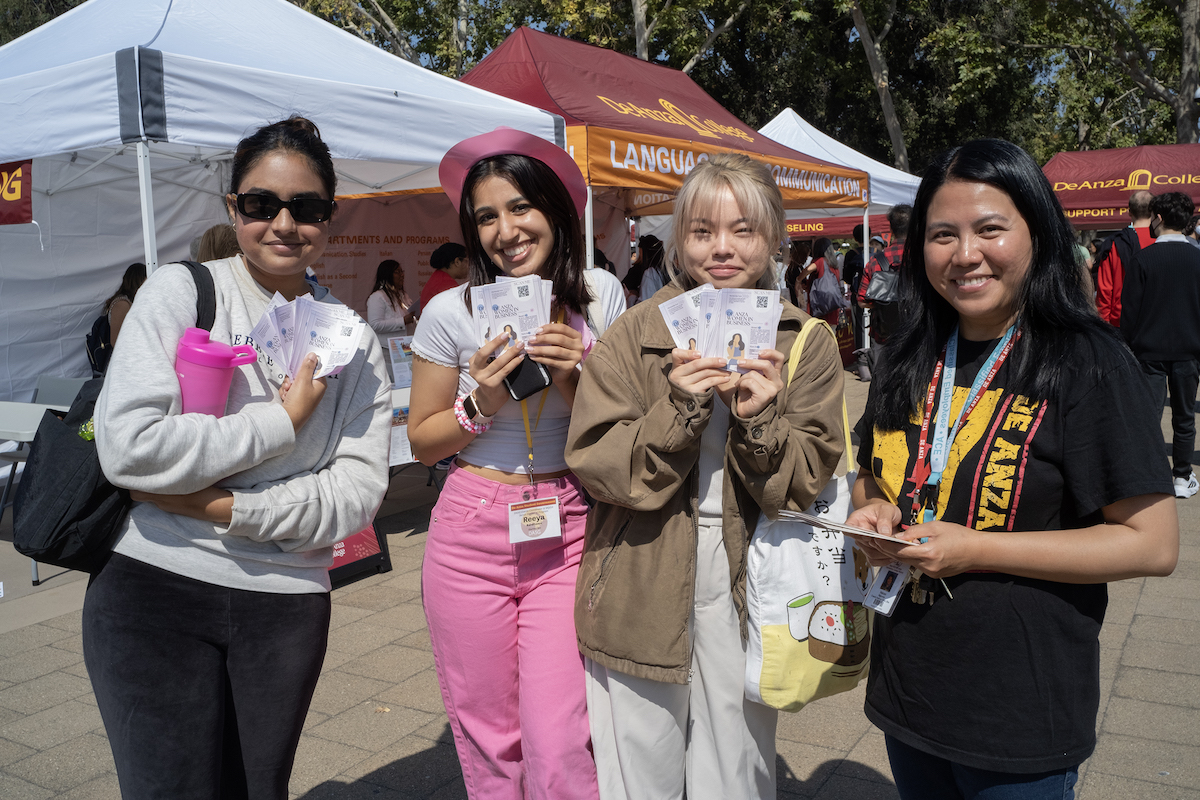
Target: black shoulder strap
point(884, 262)
point(206, 294)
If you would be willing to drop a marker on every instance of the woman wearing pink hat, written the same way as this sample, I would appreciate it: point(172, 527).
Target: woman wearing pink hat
point(498, 598)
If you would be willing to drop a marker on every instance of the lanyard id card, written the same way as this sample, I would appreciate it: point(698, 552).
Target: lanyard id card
point(885, 589)
point(534, 520)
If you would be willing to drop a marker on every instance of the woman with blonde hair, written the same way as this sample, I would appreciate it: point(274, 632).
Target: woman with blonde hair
point(681, 457)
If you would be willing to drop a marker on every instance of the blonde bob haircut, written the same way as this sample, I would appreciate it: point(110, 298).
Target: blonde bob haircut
point(756, 194)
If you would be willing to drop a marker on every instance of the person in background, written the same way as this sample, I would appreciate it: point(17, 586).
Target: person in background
point(601, 261)
point(117, 306)
point(219, 241)
point(1011, 440)
point(800, 256)
point(876, 244)
point(898, 218)
point(205, 631)
point(389, 308)
point(654, 275)
point(497, 580)
point(1160, 319)
point(1118, 250)
point(681, 456)
point(1191, 232)
point(450, 269)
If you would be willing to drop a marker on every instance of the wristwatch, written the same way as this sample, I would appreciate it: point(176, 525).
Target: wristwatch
point(472, 410)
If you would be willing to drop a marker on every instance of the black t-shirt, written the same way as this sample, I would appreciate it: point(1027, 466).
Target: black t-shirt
point(1005, 676)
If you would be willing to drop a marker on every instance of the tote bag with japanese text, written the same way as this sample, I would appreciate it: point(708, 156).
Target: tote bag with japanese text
point(810, 634)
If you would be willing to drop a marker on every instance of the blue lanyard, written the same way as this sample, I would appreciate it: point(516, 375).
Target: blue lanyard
point(943, 434)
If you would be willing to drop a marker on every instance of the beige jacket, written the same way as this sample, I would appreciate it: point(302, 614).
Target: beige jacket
point(634, 442)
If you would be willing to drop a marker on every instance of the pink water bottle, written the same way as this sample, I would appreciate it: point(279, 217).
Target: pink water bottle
point(205, 370)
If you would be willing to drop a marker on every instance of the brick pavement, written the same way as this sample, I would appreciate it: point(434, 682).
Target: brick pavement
point(377, 728)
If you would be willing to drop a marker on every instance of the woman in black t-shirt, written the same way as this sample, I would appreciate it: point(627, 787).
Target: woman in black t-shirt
point(1032, 478)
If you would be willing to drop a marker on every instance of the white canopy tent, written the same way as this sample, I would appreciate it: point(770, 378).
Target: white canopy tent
point(130, 110)
point(888, 185)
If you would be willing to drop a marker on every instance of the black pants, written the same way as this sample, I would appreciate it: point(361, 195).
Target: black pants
point(203, 690)
point(1179, 379)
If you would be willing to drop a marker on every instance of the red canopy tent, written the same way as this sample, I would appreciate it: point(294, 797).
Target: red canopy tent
point(639, 128)
point(1094, 185)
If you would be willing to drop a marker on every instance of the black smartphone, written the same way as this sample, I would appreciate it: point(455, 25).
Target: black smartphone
point(527, 379)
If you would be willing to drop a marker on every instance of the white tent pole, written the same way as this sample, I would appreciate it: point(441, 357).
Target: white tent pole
point(147, 195)
point(589, 228)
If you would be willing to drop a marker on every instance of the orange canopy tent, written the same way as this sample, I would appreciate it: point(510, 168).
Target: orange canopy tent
point(639, 128)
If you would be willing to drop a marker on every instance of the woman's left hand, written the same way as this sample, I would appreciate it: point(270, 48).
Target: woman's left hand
point(211, 504)
point(949, 550)
point(758, 388)
point(560, 348)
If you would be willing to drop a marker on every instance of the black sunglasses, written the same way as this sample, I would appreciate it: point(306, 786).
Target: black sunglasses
point(268, 206)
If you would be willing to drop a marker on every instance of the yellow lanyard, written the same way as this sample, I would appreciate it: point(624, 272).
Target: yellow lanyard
point(525, 415)
point(528, 432)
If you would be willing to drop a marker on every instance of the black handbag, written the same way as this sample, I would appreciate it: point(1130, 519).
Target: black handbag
point(65, 512)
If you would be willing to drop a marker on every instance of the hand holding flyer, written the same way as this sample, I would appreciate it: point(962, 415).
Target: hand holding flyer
point(726, 323)
point(513, 306)
point(288, 332)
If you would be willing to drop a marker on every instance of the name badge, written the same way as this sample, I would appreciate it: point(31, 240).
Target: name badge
point(534, 520)
point(881, 597)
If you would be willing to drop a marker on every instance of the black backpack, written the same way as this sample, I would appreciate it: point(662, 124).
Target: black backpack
point(883, 293)
point(99, 344)
point(66, 512)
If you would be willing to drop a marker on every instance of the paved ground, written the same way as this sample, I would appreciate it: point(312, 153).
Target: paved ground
point(377, 728)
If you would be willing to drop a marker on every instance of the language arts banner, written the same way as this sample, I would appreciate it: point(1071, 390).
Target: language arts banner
point(16, 193)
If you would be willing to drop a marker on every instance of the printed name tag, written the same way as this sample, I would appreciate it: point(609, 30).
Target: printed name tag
point(534, 520)
point(881, 597)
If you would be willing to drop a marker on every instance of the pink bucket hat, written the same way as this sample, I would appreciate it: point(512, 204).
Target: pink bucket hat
point(457, 162)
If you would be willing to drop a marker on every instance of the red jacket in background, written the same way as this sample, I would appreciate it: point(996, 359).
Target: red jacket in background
point(1110, 272)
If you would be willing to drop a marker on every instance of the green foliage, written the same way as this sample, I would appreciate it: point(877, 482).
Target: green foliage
point(21, 16)
point(1048, 74)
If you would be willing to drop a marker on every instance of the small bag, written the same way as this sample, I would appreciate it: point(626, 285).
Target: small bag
point(99, 345)
point(825, 294)
point(66, 513)
point(810, 635)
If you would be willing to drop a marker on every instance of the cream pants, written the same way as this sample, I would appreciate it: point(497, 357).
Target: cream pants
point(653, 740)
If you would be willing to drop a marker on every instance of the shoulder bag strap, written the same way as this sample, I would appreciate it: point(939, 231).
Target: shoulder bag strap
point(794, 361)
point(206, 294)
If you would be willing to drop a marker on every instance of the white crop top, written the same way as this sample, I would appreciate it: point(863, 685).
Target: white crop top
point(446, 336)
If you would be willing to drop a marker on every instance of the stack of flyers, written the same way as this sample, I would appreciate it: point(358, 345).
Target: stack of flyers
point(290, 331)
point(514, 306)
point(727, 323)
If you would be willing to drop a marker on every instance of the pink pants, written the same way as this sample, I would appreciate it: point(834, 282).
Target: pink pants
point(503, 633)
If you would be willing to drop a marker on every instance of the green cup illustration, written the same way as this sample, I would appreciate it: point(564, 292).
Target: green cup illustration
point(799, 610)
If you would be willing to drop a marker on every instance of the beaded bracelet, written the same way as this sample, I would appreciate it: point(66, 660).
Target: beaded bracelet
point(469, 426)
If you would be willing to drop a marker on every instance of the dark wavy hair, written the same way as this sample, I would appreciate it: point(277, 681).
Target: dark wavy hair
point(295, 135)
point(383, 280)
point(538, 184)
point(131, 281)
point(1052, 304)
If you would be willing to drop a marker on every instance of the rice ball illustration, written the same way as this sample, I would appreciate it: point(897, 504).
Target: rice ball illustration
point(838, 633)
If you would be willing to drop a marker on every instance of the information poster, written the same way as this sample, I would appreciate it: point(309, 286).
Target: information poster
point(401, 451)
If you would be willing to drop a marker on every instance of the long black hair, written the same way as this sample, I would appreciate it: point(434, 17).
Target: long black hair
point(1053, 305)
point(383, 280)
point(131, 281)
point(538, 184)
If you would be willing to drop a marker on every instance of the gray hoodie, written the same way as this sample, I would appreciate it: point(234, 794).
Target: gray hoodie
point(295, 494)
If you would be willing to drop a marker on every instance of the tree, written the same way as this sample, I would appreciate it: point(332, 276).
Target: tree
point(22, 16)
point(879, 72)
